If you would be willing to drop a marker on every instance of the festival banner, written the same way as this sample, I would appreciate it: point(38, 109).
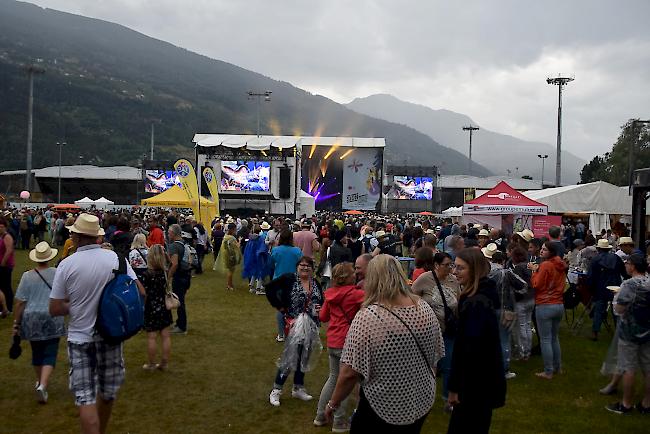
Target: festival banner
point(211, 180)
point(541, 224)
point(187, 176)
point(362, 179)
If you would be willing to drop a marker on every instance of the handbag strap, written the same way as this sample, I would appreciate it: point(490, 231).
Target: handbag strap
point(442, 294)
point(43, 279)
point(414, 338)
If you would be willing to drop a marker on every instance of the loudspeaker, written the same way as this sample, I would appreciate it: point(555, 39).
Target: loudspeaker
point(285, 182)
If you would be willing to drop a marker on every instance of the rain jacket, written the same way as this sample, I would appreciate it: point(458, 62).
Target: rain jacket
point(257, 261)
point(606, 269)
point(549, 281)
point(341, 305)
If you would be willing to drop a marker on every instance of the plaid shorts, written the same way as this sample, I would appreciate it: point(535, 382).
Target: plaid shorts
point(95, 366)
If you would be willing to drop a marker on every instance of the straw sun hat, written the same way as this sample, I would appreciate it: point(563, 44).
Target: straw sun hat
point(603, 244)
point(526, 235)
point(489, 250)
point(86, 224)
point(42, 252)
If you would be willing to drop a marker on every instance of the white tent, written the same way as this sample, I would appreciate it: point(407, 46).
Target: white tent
point(598, 199)
point(102, 203)
point(86, 202)
point(307, 204)
point(454, 211)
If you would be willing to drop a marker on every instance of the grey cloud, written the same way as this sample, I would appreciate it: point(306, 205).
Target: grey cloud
point(487, 59)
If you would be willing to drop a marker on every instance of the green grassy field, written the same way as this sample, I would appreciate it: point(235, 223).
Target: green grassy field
point(221, 373)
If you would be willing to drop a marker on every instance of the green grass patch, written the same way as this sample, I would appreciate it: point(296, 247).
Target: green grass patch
point(221, 373)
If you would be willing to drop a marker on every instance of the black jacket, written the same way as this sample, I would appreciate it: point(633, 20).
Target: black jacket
point(477, 373)
point(339, 253)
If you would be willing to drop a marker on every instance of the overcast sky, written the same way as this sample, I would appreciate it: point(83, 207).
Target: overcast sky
point(486, 59)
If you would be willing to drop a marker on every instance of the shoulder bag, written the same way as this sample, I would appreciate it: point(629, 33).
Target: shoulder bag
point(171, 300)
point(451, 321)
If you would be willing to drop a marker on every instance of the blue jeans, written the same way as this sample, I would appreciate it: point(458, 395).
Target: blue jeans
point(279, 317)
point(600, 314)
point(298, 375)
point(444, 365)
point(524, 311)
point(549, 317)
point(180, 285)
point(504, 337)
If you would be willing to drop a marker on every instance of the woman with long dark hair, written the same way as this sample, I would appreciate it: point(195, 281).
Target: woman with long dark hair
point(474, 393)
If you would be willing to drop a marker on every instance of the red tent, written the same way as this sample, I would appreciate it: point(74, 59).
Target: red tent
point(504, 199)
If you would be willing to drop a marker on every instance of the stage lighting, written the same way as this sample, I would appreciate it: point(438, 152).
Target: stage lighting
point(332, 149)
point(346, 154)
point(264, 153)
point(313, 148)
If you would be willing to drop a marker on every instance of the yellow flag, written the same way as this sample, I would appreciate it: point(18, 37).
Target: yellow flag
point(211, 180)
point(187, 176)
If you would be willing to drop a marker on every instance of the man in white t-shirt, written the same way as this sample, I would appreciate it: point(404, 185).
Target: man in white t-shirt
point(76, 291)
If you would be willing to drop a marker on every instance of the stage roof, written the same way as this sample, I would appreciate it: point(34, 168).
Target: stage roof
point(263, 143)
point(83, 172)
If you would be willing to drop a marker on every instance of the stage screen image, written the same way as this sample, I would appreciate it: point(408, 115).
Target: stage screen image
point(245, 176)
point(157, 181)
point(411, 188)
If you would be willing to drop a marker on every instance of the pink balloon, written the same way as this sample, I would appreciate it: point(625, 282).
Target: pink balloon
point(24, 194)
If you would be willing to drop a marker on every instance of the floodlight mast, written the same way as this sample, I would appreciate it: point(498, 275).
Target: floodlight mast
point(258, 95)
point(560, 82)
point(471, 130)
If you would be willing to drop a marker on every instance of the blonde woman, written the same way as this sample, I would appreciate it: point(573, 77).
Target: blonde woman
point(157, 318)
point(138, 255)
point(391, 348)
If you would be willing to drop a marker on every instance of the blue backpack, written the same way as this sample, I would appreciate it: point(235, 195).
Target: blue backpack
point(121, 309)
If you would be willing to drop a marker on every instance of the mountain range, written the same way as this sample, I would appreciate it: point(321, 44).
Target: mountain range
point(501, 154)
point(104, 85)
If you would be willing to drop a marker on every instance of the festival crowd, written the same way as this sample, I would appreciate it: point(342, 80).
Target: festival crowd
point(407, 301)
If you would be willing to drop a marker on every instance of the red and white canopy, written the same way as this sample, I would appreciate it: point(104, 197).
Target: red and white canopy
point(504, 199)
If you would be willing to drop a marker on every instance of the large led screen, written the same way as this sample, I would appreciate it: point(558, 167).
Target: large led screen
point(412, 188)
point(157, 181)
point(245, 176)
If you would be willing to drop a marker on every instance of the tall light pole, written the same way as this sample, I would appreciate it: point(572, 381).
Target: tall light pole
point(633, 149)
point(153, 121)
point(31, 70)
point(267, 97)
point(560, 82)
point(471, 130)
point(543, 157)
point(60, 145)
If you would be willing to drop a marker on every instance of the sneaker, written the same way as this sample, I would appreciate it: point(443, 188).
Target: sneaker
point(341, 427)
point(320, 421)
point(619, 408)
point(274, 397)
point(642, 409)
point(607, 390)
point(251, 289)
point(178, 331)
point(301, 394)
point(260, 292)
point(41, 394)
point(510, 375)
point(279, 338)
